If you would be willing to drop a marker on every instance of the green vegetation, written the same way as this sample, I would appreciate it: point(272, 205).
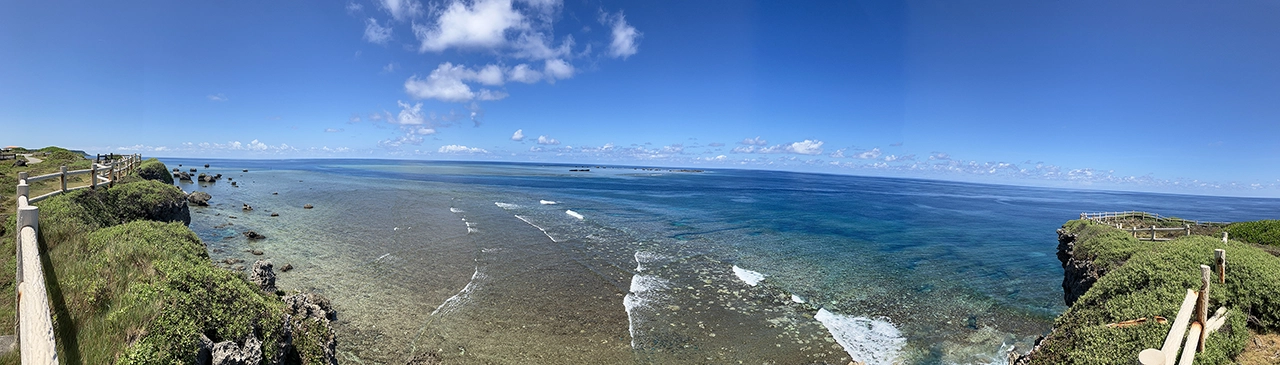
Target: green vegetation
point(1148, 279)
point(130, 284)
point(1264, 232)
point(153, 169)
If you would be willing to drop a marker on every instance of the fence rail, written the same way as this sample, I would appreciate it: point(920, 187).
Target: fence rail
point(36, 341)
point(1102, 216)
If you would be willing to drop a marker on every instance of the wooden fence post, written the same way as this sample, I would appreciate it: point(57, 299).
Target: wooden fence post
point(93, 176)
point(1202, 305)
point(1224, 237)
point(1220, 256)
point(1153, 233)
point(1188, 229)
point(63, 177)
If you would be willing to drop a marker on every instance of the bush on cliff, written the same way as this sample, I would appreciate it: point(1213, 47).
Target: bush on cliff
point(1263, 232)
point(126, 289)
point(1148, 279)
point(153, 169)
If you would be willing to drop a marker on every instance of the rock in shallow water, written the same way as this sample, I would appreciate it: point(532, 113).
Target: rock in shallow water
point(263, 276)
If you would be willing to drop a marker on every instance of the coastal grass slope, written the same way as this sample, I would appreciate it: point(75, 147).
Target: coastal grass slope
point(1147, 279)
point(131, 284)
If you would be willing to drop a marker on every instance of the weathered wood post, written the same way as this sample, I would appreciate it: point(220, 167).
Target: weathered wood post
point(93, 176)
point(1220, 257)
point(1224, 237)
point(1153, 233)
point(1202, 305)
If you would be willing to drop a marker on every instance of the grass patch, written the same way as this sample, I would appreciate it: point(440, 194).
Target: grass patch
point(1264, 232)
point(1147, 279)
point(153, 169)
point(128, 289)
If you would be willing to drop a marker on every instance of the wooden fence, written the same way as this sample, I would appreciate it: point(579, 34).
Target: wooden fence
point(35, 325)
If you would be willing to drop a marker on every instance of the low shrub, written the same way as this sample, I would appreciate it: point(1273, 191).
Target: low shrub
point(1263, 232)
point(153, 169)
point(1149, 279)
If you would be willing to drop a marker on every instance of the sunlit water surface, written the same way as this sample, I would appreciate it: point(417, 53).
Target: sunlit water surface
point(514, 263)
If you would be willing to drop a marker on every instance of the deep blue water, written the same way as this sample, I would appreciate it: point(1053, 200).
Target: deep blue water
point(919, 271)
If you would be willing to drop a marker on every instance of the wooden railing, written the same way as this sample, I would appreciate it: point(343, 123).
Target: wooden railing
point(1103, 216)
point(35, 324)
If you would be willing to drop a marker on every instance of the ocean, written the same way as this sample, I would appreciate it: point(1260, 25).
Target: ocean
point(472, 262)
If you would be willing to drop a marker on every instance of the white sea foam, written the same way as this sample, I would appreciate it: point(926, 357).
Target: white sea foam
point(747, 276)
point(573, 214)
point(382, 257)
point(547, 202)
point(871, 341)
point(544, 231)
point(464, 295)
point(455, 210)
point(507, 206)
point(796, 298)
point(644, 290)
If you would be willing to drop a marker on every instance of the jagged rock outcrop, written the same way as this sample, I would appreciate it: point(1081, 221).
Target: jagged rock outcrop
point(1078, 274)
point(262, 275)
point(229, 352)
point(199, 198)
point(311, 315)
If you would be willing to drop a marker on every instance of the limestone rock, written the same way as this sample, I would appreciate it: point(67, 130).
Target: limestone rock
point(262, 275)
point(199, 198)
point(231, 353)
point(254, 235)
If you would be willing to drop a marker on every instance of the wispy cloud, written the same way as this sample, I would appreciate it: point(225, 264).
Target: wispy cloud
point(401, 9)
point(217, 97)
point(375, 33)
point(754, 142)
point(626, 39)
point(333, 130)
point(756, 145)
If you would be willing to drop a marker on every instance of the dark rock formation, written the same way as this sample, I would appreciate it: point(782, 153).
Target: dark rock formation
point(254, 235)
point(308, 314)
point(262, 275)
point(307, 206)
point(245, 170)
point(206, 166)
point(193, 169)
point(246, 207)
point(274, 214)
point(199, 198)
point(184, 176)
point(286, 268)
point(1078, 274)
point(19, 163)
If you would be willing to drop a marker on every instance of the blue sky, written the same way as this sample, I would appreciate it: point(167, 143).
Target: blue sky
point(1139, 95)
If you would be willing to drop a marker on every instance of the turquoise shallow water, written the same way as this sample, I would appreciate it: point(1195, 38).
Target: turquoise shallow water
point(469, 262)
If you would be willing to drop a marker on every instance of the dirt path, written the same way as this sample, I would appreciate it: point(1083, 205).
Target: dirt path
point(31, 160)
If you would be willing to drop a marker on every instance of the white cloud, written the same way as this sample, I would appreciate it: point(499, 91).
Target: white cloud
point(448, 82)
point(558, 69)
point(479, 24)
point(217, 97)
point(453, 148)
point(939, 156)
point(353, 8)
point(489, 75)
point(522, 73)
point(872, 154)
point(402, 9)
point(518, 135)
point(547, 140)
point(537, 46)
point(389, 68)
point(754, 141)
point(625, 37)
point(333, 130)
point(354, 119)
point(410, 114)
point(375, 33)
point(806, 147)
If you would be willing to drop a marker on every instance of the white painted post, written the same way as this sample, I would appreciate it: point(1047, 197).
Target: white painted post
point(24, 190)
point(1220, 257)
point(1151, 357)
point(1174, 339)
point(29, 216)
point(1188, 229)
point(1224, 237)
point(1153, 233)
point(1188, 351)
point(1202, 305)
